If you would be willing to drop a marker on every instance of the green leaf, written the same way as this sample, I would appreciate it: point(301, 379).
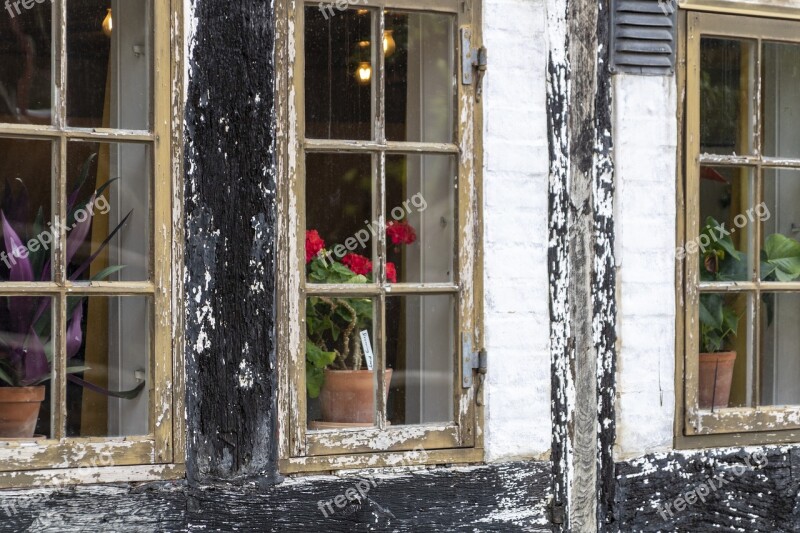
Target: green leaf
point(317, 360)
point(315, 378)
point(125, 395)
point(317, 356)
point(104, 186)
point(706, 314)
point(718, 322)
point(784, 254)
point(70, 370)
point(6, 378)
point(724, 242)
point(106, 272)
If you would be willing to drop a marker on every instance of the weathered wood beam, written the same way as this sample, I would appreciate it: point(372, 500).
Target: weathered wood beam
point(581, 263)
point(507, 497)
point(230, 241)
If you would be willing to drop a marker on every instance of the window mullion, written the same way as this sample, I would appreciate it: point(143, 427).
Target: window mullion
point(379, 212)
point(755, 322)
point(380, 364)
point(758, 134)
point(59, 379)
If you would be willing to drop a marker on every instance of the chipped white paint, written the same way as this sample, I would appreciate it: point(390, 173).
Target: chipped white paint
point(645, 226)
point(515, 280)
point(382, 440)
point(245, 374)
point(52, 480)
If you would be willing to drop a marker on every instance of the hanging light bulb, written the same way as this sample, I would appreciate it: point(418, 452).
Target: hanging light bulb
point(364, 73)
point(388, 43)
point(108, 24)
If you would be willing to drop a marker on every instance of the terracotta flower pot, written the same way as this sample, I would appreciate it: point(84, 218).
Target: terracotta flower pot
point(716, 374)
point(347, 396)
point(19, 411)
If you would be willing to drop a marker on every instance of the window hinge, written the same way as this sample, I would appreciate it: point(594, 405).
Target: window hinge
point(556, 512)
point(472, 361)
point(474, 62)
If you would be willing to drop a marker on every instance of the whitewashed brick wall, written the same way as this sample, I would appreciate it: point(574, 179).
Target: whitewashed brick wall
point(515, 225)
point(645, 143)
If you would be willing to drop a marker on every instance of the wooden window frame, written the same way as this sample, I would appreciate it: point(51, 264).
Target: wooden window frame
point(159, 455)
point(751, 425)
point(457, 442)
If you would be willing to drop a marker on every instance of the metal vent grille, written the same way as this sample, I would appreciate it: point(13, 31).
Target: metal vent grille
point(643, 36)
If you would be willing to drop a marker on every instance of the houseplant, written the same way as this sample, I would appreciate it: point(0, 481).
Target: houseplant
point(334, 356)
point(26, 336)
point(719, 321)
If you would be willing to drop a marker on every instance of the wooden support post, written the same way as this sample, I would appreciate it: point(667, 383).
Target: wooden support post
point(581, 262)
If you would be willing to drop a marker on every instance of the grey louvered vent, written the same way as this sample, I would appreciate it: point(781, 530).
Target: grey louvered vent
point(643, 36)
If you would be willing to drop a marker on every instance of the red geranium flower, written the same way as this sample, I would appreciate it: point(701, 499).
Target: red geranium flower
point(358, 264)
point(401, 232)
point(391, 273)
point(314, 244)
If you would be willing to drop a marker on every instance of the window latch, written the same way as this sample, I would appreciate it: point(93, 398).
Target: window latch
point(474, 62)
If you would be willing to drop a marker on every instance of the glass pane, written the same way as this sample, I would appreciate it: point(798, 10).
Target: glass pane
point(109, 64)
point(781, 100)
point(26, 58)
point(727, 224)
point(340, 362)
point(780, 256)
point(25, 203)
point(420, 77)
point(338, 75)
point(727, 96)
point(420, 210)
point(109, 339)
point(420, 348)
point(780, 349)
point(339, 218)
point(726, 341)
point(26, 348)
point(109, 196)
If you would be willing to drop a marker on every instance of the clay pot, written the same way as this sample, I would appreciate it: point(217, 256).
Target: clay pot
point(347, 396)
point(716, 374)
point(19, 411)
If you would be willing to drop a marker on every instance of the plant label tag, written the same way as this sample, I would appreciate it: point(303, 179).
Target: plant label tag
point(367, 349)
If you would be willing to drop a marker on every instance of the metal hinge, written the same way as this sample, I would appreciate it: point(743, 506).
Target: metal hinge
point(474, 62)
point(556, 512)
point(472, 361)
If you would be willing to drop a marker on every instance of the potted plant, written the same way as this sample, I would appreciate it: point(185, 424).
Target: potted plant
point(719, 322)
point(335, 361)
point(26, 338)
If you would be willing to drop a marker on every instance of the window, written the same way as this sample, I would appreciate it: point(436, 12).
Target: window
point(742, 220)
point(86, 274)
point(380, 210)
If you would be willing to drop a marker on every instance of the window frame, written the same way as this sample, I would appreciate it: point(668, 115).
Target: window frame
point(750, 425)
point(458, 442)
point(159, 455)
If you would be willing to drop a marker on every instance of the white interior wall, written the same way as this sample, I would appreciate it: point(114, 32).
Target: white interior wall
point(515, 231)
point(645, 144)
